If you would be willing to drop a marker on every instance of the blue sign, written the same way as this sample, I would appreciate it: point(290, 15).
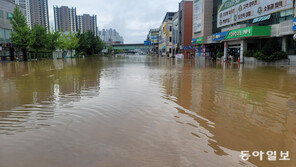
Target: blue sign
point(294, 24)
point(219, 36)
point(147, 43)
point(185, 47)
point(190, 47)
point(193, 41)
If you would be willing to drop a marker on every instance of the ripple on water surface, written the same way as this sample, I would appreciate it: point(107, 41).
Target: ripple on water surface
point(143, 111)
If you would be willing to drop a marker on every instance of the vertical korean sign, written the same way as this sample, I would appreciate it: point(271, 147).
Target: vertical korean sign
point(197, 16)
point(233, 11)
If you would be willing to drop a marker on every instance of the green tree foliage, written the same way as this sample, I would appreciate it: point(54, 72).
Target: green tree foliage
point(53, 41)
point(38, 38)
point(271, 52)
point(89, 44)
point(120, 51)
point(220, 54)
point(249, 53)
point(20, 34)
point(69, 42)
point(110, 49)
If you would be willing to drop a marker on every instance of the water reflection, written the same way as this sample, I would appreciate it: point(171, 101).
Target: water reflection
point(246, 108)
point(33, 91)
point(144, 111)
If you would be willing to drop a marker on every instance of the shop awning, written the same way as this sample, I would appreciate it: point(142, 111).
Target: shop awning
point(263, 18)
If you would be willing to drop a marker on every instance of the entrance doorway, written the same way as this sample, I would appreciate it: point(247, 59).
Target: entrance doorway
point(234, 52)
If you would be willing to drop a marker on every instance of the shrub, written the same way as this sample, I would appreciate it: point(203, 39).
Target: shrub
point(249, 53)
point(280, 55)
point(260, 56)
point(220, 55)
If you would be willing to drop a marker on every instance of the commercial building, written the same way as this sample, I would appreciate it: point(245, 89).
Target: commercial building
point(153, 38)
point(202, 25)
point(182, 29)
point(237, 26)
point(65, 19)
point(111, 36)
point(176, 47)
point(86, 23)
point(6, 10)
point(166, 35)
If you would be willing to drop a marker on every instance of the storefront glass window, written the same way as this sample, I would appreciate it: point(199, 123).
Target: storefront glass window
point(1, 13)
point(7, 34)
point(289, 12)
point(283, 13)
point(2, 34)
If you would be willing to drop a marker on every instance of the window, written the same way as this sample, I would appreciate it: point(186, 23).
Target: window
point(170, 39)
point(9, 15)
point(7, 34)
point(1, 13)
point(2, 34)
point(170, 28)
point(170, 50)
point(287, 12)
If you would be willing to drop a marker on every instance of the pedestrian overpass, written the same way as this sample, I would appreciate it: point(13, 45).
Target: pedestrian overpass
point(131, 47)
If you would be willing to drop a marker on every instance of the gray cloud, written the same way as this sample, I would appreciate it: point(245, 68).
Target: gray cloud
point(131, 18)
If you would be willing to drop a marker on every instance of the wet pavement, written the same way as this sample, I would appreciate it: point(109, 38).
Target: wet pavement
point(141, 111)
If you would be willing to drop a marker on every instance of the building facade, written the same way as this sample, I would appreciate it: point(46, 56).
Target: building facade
point(185, 28)
point(111, 36)
point(237, 26)
point(176, 32)
point(65, 19)
point(86, 23)
point(202, 25)
point(6, 10)
point(38, 10)
point(153, 39)
point(166, 35)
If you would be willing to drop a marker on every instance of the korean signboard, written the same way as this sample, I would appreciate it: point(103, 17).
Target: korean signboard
point(197, 40)
point(197, 16)
point(219, 36)
point(233, 11)
point(252, 31)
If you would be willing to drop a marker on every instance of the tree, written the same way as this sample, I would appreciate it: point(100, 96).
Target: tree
point(100, 46)
point(89, 44)
point(84, 44)
point(69, 42)
point(38, 38)
point(20, 35)
point(53, 42)
point(110, 49)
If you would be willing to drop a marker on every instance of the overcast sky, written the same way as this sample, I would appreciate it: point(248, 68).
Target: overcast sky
point(131, 18)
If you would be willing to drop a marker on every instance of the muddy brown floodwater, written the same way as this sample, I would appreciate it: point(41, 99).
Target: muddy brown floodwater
point(142, 111)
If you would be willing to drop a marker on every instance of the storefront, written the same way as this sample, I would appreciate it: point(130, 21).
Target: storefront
point(237, 41)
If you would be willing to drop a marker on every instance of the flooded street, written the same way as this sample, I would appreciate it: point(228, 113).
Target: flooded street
point(143, 111)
